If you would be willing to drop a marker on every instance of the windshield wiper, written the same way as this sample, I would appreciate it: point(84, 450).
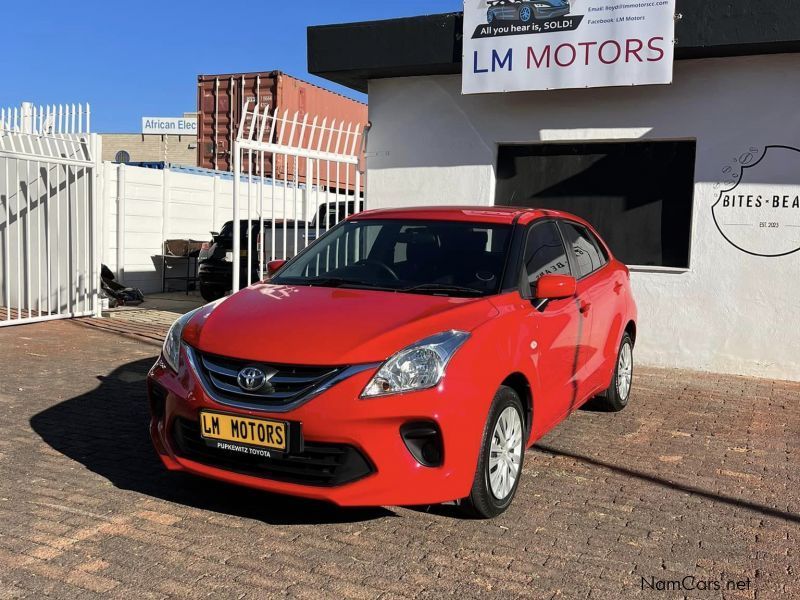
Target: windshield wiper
point(442, 288)
point(340, 281)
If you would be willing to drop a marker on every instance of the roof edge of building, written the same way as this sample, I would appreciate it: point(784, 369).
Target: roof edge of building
point(351, 54)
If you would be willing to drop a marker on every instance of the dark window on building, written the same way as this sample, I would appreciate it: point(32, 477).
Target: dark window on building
point(638, 195)
point(587, 252)
point(544, 252)
point(122, 157)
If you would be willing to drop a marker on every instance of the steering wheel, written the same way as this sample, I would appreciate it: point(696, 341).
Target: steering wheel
point(382, 266)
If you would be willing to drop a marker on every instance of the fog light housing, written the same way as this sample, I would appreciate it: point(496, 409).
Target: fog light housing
point(158, 401)
point(424, 441)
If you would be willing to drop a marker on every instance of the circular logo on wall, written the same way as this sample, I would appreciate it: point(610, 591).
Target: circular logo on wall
point(760, 214)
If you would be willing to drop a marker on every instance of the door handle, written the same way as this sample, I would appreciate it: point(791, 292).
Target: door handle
point(618, 287)
point(585, 306)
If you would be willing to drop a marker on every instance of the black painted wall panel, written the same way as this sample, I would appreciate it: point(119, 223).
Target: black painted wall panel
point(638, 195)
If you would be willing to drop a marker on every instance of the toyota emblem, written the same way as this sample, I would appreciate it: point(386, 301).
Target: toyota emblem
point(251, 379)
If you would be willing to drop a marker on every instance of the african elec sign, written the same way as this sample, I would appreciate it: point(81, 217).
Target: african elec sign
point(169, 126)
point(516, 45)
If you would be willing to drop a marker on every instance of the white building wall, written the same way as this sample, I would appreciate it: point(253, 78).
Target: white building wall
point(730, 312)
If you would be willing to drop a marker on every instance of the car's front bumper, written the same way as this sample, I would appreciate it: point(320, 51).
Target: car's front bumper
point(337, 418)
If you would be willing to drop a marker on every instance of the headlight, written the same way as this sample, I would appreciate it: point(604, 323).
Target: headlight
point(420, 366)
point(172, 343)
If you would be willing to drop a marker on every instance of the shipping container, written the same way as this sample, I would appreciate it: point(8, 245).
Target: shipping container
point(219, 103)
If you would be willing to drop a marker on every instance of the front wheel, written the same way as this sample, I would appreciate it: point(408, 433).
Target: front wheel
point(618, 394)
point(501, 457)
point(526, 13)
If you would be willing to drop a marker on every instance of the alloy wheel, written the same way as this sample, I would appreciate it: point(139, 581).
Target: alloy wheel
point(625, 372)
point(505, 456)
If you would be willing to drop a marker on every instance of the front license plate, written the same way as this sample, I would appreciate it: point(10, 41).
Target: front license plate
point(220, 429)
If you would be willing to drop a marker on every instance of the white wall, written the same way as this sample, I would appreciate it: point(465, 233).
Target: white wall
point(151, 206)
point(731, 312)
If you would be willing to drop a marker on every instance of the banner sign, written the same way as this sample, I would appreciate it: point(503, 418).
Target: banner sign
point(169, 126)
point(516, 45)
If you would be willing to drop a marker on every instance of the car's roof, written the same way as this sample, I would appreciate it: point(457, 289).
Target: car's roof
point(475, 214)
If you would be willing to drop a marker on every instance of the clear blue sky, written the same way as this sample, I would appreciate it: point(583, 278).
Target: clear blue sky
point(141, 58)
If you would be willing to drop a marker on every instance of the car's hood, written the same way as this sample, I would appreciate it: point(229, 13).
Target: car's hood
point(326, 326)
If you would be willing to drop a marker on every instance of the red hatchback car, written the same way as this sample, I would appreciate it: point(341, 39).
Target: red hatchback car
point(406, 357)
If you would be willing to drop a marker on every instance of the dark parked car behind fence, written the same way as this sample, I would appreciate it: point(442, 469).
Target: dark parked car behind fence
point(290, 237)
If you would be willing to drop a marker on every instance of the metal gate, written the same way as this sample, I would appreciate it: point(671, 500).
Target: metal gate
point(48, 214)
point(294, 178)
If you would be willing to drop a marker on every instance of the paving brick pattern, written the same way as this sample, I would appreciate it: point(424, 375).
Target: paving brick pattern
point(145, 325)
point(699, 476)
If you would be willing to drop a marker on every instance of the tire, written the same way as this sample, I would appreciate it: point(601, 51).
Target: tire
point(484, 502)
point(210, 293)
point(617, 396)
point(526, 14)
point(490, 18)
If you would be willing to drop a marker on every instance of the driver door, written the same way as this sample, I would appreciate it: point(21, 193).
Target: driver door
point(557, 332)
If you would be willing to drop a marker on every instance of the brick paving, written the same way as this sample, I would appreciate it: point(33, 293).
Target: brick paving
point(698, 476)
point(140, 324)
point(10, 314)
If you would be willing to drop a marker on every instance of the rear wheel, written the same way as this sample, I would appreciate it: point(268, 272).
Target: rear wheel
point(616, 397)
point(210, 293)
point(526, 13)
point(501, 457)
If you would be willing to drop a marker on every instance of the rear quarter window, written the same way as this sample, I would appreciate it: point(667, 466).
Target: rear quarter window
point(587, 252)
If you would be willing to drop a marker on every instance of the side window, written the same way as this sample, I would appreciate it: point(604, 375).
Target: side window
point(586, 250)
point(544, 252)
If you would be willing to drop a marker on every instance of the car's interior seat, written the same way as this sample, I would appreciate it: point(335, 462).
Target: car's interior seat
point(422, 258)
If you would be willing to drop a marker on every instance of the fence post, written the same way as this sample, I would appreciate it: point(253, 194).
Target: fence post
point(164, 205)
point(237, 234)
point(121, 223)
point(108, 196)
point(98, 211)
point(27, 118)
point(214, 192)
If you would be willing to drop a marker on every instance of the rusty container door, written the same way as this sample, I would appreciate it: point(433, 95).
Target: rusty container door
point(219, 104)
point(220, 100)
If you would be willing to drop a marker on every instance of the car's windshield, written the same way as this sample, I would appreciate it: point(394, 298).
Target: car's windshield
point(422, 257)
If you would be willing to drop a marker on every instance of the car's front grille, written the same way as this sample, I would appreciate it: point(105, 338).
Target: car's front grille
point(317, 465)
point(289, 383)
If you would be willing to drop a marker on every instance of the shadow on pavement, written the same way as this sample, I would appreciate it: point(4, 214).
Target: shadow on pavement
point(685, 488)
point(107, 431)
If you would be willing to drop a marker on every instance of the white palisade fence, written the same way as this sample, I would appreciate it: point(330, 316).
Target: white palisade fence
point(63, 213)
point(48, 242)
point(322, 154)
point(145, 207)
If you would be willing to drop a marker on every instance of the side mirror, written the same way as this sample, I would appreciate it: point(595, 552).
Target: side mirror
point(555, 287)
point(274, 266)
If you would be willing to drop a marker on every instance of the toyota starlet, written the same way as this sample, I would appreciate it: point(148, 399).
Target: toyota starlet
point(406, 357)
